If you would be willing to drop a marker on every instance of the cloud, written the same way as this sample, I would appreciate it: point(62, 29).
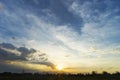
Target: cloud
point(64, 16)
point(116, 50)
point(1, 7)
point(7, 45)
point(25, 52)
point(89, 46)
point(11, 53)
point(99, 26)
point(47, 63)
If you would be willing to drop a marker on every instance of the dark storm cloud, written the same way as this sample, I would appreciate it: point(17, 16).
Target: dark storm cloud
point(25, 51)
point(47, 63)
point(5, 55)
point(9, 52)
point(7, 45)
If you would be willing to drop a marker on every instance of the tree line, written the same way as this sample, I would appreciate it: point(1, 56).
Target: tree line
point(56, 76)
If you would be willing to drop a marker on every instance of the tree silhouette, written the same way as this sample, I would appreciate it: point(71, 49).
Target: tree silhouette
point(47, 76)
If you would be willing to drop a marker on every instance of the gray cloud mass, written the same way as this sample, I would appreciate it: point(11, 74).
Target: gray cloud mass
point(9, 52)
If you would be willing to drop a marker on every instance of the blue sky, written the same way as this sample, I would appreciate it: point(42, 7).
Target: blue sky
point(79, 35)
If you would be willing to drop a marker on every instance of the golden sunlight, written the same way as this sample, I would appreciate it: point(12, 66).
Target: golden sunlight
point(59, 67)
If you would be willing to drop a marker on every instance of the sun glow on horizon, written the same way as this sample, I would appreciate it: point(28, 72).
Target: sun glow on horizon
point(59, 67)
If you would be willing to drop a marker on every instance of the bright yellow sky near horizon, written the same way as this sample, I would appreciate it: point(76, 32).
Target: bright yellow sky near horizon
point(59, 68)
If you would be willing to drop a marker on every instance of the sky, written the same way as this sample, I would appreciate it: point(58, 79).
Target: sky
point(74, 36)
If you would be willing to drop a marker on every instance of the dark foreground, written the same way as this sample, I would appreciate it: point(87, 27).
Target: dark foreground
point(36, 76)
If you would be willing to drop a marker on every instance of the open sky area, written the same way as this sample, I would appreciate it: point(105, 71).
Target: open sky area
point(74, 36)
